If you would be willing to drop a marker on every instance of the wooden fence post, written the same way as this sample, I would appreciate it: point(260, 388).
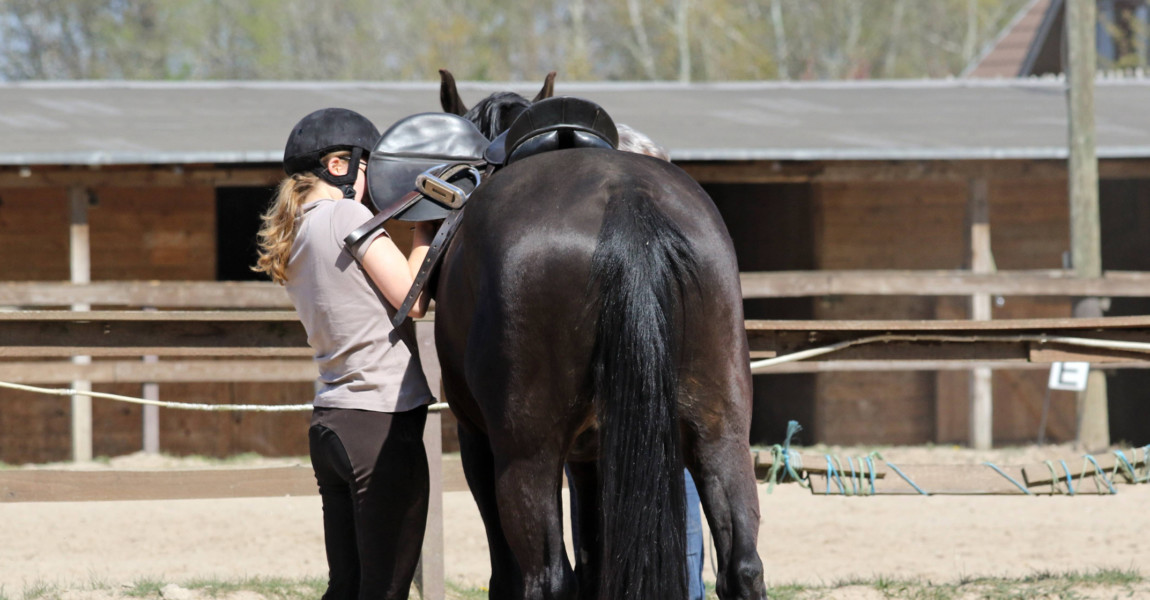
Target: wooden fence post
point(80, 267)
point(1085, 228)
point(151, 414)
point(981, 261)
point(431, 575)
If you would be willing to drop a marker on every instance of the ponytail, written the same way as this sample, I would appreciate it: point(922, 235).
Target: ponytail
point(279, 225)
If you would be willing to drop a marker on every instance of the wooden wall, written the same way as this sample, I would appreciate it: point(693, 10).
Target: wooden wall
point(169, 233)
point(920, 225)
point(136, 234)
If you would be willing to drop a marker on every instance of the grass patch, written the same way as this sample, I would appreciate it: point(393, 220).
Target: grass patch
point(42, 590)
point(146, 587)
point(272, 588)
point(455, 591)
point(1042, 585)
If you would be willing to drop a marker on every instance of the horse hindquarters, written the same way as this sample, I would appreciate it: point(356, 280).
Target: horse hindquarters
point(642, 266)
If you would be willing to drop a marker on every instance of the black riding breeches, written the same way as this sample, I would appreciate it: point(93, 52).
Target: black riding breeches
point(372, 473)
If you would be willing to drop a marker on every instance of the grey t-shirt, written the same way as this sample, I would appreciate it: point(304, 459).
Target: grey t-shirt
point(364, 363)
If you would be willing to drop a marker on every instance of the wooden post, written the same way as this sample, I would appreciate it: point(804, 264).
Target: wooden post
point(431, 572)
point(1085, 228)
point(80, 266)
point(151, 424)
point(430, 577)
point(151, 416)
point(981, 261)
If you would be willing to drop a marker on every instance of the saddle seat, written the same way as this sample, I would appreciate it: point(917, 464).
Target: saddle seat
point(554, 124)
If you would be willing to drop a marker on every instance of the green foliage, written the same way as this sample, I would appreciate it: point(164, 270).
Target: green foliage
point(696, 40)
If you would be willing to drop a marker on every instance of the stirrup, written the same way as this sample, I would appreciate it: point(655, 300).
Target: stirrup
point(438, 189)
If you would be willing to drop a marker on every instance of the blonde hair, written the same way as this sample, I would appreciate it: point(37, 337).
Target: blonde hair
point(278, 228)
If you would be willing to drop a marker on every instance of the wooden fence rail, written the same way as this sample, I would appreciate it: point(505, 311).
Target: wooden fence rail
point(279, 335)
point(779, 284)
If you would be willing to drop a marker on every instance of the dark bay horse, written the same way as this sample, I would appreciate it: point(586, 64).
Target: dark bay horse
point(589, 311)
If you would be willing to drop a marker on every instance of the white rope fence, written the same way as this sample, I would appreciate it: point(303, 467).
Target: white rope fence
point(176, 405)
point(755, 365)
point(895, 337)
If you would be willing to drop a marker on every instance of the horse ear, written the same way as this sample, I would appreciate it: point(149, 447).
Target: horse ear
point(449, 96)
point(548, 88)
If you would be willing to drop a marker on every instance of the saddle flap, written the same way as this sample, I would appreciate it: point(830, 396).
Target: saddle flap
point(558, 123)
point(412, 146)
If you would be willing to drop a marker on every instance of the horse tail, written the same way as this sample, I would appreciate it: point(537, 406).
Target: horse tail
point(641, 267)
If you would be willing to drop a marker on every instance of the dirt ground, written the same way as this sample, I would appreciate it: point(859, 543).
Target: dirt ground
point(803, 538)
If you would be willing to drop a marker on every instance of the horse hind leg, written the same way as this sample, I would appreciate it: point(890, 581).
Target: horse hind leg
point(479, 468)
point(528, 493)
point(718, 455)
point(726, 482)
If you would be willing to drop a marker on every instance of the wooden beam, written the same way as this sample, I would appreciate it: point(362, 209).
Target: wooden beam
point(166, 294)
point(945, 340)
point(776, 284)
point(830, 366)
point(933, 479)
point(136, 333)
point(49, 485)
point(167, 371)
point(812, 463)
point(40, 176)
point(1039, 473)
point(46, 334)
point(1060, 283)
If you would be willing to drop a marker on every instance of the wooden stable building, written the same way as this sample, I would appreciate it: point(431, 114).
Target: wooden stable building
point(123, 183)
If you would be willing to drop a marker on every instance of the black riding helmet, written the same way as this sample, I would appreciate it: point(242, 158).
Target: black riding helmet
point(323, 132)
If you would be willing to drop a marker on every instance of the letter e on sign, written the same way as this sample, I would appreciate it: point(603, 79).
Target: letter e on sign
point(1069, 375)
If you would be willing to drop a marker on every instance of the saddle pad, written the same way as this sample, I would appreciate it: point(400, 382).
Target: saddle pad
point(411, 146)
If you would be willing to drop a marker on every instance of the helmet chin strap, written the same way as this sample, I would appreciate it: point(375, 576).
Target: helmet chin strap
point(345, 182)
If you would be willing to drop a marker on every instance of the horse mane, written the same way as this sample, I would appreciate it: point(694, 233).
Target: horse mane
point(494, 114)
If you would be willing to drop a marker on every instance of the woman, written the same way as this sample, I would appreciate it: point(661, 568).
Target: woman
point(371, 396)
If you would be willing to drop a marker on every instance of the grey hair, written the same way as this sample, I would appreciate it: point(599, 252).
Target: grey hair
point(631, 140)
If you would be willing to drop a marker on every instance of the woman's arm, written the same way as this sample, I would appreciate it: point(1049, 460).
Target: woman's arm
point(392, 273)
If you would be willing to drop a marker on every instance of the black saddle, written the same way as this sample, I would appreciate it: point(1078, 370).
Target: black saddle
point(554, 124)
point(412, 147)
point(425, 167)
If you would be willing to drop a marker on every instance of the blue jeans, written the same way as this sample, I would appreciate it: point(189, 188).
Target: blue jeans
point(694, 540)
point(695, 589)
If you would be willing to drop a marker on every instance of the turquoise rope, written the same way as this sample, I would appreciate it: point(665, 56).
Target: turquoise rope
point(786, 462)
point(1009, 478)
point(1069, 481)
point(1129, 468)
point(832, 474)
point(1097, 472)
point(860, 477)
point(907, 479)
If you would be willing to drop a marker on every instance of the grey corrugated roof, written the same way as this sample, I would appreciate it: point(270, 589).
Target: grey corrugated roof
point(93, 123)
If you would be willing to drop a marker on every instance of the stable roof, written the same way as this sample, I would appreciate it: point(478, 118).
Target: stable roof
point(109, 123)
